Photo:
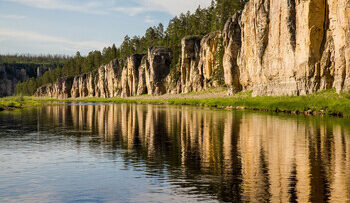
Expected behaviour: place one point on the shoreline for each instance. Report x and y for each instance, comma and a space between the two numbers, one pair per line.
325, 103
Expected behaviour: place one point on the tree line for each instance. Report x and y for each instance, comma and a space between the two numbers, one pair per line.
200, 23
33, 59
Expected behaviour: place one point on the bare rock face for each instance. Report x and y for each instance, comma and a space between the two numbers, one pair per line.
43, 91
232, 44
142, 86
288, 47
61, 89
100, 83
208, 58
130, 76
190, 76
159, 60
199, 62
141, 75
107, 80
339, 27
83, 86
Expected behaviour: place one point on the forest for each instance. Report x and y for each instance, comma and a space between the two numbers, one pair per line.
199, 23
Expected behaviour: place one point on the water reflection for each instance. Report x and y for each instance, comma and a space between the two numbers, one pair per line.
227, 156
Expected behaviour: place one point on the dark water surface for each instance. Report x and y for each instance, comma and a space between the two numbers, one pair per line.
149, 153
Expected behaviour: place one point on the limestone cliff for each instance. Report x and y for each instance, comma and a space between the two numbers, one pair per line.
159, 60
288, 47
190, 77
199, 62
114, 80
272, 47
59, 90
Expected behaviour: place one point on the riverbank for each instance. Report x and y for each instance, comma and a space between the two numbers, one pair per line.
322, 103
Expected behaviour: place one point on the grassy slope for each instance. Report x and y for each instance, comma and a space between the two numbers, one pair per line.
327, 102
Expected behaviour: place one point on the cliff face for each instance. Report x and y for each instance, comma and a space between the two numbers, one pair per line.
159, 60
100, 83
11, 74
272, 47
141, 75
288, 47
59, 90
199, 62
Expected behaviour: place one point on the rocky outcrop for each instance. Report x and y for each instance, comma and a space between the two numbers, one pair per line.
141, 75
190, 77
232, 45
100, 83
61, 89
272, 47
142, 86
200, 60
159, 60
288, 47
130, 76
108, 80
83, 86
209, 58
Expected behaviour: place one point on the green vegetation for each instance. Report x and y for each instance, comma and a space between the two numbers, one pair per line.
9, 103
32, 59
325, 103
200, 23
20, 67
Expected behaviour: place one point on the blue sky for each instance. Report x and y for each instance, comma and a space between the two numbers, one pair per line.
68, 26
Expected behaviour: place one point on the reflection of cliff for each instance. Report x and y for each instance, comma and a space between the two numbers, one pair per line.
234, 156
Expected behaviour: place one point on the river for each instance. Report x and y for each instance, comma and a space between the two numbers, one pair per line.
158, 153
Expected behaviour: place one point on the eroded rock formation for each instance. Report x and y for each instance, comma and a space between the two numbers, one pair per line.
61, 89
209, 58
130, 76
190, 76
100, 83
199, 62
141, 75
159, 60
272, 47
232, 45
288, 47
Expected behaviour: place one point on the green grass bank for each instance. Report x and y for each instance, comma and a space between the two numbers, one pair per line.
322, 103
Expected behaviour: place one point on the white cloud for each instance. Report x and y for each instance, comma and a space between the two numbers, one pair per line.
13, 17
91, 7
173, 7
131, 11
176, 7
150, 20
37, 37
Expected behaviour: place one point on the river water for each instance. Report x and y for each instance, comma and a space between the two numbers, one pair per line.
155, 153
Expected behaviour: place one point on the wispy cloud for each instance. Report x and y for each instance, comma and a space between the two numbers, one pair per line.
13, 17
91, 7
132, 11
149, 20
173, 7
37, 37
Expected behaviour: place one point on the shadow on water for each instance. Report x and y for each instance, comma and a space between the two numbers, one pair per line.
218, 155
